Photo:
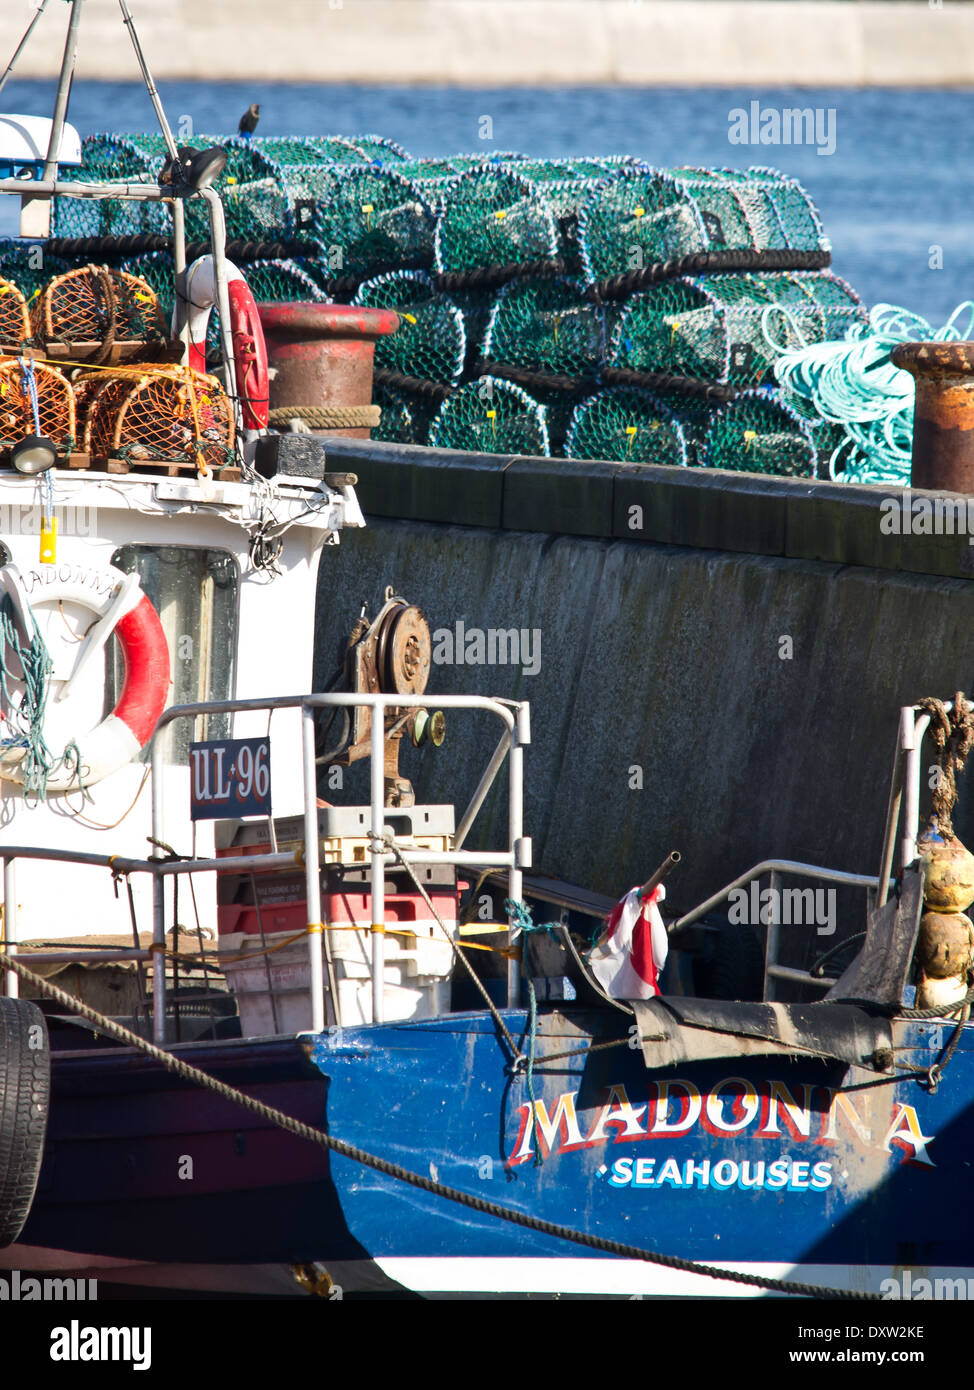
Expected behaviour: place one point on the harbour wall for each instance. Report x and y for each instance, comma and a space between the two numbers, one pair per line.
494, 43
722, 677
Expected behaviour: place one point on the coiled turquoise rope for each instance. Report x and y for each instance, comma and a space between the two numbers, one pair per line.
854, 384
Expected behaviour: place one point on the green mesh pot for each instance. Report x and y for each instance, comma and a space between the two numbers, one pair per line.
29, 266
731, 328
430, 342
491, 216
546, 325
626, 424
757, 433
644, 216
369, 215
490, 416
404, 420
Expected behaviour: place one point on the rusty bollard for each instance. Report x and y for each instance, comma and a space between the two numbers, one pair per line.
322, 355
943, 420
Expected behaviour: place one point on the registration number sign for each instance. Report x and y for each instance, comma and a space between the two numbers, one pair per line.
230, 778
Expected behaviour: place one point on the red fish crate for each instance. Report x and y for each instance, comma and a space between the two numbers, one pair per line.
55, 405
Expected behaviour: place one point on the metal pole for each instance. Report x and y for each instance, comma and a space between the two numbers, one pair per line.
520, 736
218, 239
893, 807
158, 960
378, 896
179, 263
483, 787
23, 44
10, 921
147, 78
914, 732
771, 940
312, 870
63, 91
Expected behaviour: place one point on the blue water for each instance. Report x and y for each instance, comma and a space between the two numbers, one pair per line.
898, 186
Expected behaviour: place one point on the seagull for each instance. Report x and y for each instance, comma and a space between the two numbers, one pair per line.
249, 119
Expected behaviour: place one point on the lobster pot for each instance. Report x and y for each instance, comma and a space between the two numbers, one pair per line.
164, 416
644, 216
492, 216
565, 185
404, 420
626, 424
14, 318
55, 405
490, 416
87, 304
430, 342
547, 325
23, 267
98, 217
758, 433
367, 218
732, 328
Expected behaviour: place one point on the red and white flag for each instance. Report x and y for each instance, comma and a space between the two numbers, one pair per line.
630, 953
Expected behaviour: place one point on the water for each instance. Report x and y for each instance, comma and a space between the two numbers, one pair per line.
896, 197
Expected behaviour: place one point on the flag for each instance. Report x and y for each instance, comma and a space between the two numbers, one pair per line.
630, 953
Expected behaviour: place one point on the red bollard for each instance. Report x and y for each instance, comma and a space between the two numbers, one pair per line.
943, 419
323, 355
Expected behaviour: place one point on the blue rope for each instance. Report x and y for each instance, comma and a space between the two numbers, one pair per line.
854, 384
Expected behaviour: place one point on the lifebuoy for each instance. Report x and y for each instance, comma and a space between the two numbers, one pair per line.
249, 347
109, 594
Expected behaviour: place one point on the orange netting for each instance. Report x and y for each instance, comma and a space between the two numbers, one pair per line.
95, 304
166, 415
55, 404
14, 318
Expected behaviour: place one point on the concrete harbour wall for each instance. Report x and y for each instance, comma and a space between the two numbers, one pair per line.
490, 43
661, 650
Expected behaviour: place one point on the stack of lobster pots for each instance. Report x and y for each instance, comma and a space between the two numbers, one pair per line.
87, 364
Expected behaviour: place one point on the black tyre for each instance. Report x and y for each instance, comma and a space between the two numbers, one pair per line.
732, 966
25, 1087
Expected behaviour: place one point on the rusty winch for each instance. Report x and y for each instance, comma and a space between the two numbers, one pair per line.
390, 654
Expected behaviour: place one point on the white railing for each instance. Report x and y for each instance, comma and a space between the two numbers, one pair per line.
515, 858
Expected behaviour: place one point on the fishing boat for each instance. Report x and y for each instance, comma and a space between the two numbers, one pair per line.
281, 1045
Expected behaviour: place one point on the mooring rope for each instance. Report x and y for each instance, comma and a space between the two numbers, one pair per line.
483, 1205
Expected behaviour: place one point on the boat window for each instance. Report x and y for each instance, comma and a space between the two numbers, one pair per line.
195, 594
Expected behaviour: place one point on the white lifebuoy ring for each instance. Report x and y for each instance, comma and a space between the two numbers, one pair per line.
249, 347
122, 734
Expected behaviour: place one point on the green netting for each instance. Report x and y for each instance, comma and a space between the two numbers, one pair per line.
370, 216
757, 433
404, 419
77, 217
546, 325
644, 216
430, 342
558, 408
476, 306
731, 328
491, 216
28, 266
626, 424
490, 416
380, 147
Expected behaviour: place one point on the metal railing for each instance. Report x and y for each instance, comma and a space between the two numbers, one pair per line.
517, 857
903, 806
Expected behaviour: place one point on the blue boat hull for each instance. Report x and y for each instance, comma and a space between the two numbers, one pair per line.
794, 1167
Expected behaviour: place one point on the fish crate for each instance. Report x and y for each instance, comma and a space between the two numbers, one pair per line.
343, 833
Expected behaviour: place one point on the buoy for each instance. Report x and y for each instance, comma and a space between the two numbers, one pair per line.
249, 348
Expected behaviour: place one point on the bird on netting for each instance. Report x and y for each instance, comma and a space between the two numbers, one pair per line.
249, 119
